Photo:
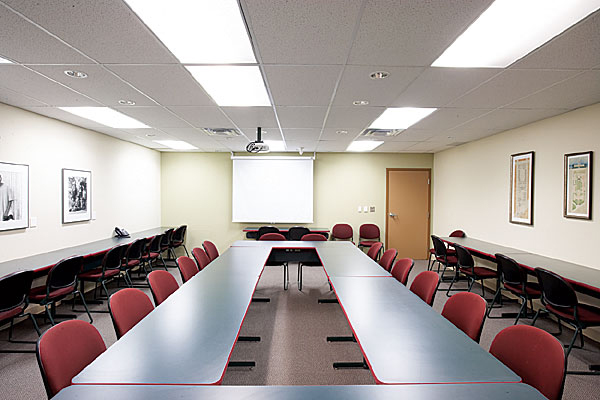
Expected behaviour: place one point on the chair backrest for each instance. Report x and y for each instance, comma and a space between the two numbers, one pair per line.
313, 237
533, 354
266, 229
342, 232
135, 250
14, 289
154, 244
374, 250
187, 268
438, 246
555, 290
201, 257
112, 259
369, 231
458, 233
179, 234
466, 310
210, 249
296, 232
510, 271
64, 350
64, 274
162, 285
166, 239
387, 259
401, 269
424, 285
128, 307
272, 236
465, 259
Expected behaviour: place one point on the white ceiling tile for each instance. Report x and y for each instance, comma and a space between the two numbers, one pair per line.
509, 86
101, 85
156, 117
266, 133
202, 117
307, 145
411, 32
352, 117
335, 134
22, 80
61, 115
233, 144
105, 30
577, 48
447, 118
303, 32
390, 147
436, 87
169, 85
504, 119
301, 117
251, 116
17, 99
428, 147
150, 134
356, 84
302, 85
415, 135
302, 134
579, 91
333, 145
194, 137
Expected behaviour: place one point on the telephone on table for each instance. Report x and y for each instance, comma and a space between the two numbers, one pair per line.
120, 232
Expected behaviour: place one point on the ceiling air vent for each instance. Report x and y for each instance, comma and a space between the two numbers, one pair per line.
381, 133
222, 132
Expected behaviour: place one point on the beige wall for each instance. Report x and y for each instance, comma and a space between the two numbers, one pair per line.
125, 181
471, 190
196, 189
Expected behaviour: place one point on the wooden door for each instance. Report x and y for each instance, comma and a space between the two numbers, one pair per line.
408, 212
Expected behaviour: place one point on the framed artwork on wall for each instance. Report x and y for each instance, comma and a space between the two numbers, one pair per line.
521, 188
14, 196
76, 195
578, 185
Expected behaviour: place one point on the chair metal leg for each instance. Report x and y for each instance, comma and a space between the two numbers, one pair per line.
285, 277
523, 306
84, 305
429, 263
489, 310
451, 284
49, 314
186, 251
300, 276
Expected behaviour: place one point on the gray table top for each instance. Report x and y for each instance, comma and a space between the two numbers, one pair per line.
188, 338
345, 261
43, 261
405, 341
490, 391
291, 244
480, 246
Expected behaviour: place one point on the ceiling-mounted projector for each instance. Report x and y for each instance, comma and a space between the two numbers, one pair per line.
257, 146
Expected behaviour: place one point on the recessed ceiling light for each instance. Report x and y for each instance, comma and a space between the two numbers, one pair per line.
127, 102
198, 32
176, 144
400, 118
232, 85
5, 61
341, 132
106, 116
379, 75
275, 145
364, 145
150, 135
510, 29
360, 102
76, 74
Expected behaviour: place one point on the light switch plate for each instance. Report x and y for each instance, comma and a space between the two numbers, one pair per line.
366, 209
32, 222
359, 209
93, 215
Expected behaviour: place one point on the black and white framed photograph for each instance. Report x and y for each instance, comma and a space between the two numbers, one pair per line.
76, 200
14, 196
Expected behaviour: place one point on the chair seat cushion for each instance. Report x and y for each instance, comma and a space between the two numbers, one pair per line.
151, 256
38, 294
451, 260
367, 243
532, 289
449, 251
4, 315
97, 274
480, 272
586, 313
177, 243
133, 263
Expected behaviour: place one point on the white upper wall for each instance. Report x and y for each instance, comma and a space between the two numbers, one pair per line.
125, 182
471, 188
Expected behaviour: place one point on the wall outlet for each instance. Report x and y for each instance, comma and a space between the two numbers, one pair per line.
372, 209
366, 209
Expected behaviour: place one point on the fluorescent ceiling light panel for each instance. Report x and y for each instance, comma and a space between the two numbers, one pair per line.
275, 145
401, 117
232, 85
5, 61
364, 145
176, 144
511, 29
106, 116
198, 31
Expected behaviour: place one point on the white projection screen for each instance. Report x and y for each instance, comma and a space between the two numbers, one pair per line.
272, 189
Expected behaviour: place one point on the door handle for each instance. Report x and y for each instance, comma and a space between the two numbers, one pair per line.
393, 215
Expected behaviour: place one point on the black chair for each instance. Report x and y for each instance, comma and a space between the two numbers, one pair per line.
449, 249
152, 253
513, 278
296, 232
178, 240
13, 302
466, 266
266, 229
133, 259
165, 245
559, 298
61, 282
442, 257
110, 269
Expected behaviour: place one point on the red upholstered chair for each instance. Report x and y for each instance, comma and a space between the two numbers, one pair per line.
111, 268
187, 268
424, 285
60, 283
66, 349
342, 232
442, 257
387, 259
210, 249
401, 269
374, 251
313, 237
162, 285
466, 266
368, 235
13, 302
201, 257
273, 236
178, 240
128, 307
466, 311
449, 249
533, 354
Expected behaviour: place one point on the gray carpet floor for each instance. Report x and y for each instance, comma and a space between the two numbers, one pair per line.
293, 349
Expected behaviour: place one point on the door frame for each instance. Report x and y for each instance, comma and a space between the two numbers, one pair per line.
387, 197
